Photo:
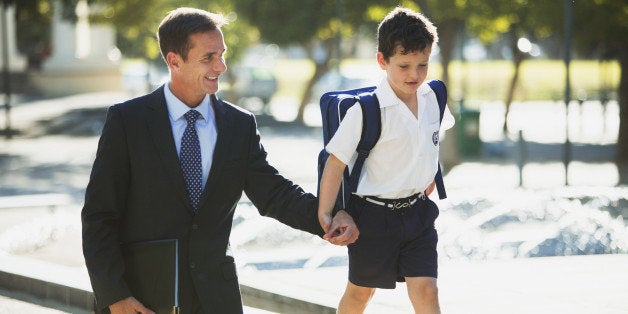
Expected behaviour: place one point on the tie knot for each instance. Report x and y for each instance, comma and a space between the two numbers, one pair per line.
191, 116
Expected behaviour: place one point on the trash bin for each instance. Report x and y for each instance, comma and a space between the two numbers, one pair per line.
468, 132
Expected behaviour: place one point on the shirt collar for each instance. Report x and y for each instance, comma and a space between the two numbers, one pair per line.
387, 96
176, 108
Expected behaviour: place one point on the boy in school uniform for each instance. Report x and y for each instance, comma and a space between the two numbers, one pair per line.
390, 207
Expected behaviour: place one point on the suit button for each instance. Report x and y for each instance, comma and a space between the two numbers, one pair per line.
194, 226
192, 265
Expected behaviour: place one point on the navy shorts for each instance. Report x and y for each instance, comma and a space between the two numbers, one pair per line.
392, 244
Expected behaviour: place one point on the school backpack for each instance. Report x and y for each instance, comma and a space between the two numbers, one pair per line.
334, 106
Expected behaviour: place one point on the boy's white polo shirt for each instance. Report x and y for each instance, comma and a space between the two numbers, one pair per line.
405, 159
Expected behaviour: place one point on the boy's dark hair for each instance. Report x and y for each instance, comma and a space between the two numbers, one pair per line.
409, 30
175, 29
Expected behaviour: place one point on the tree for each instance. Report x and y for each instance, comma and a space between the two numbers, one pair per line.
32, 19
313, 24
514, 21
601, 26
294, 22
449, 17
136, 22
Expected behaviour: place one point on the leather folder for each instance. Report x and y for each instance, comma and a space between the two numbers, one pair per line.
152, 274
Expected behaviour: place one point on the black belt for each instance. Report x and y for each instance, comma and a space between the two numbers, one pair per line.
394, 204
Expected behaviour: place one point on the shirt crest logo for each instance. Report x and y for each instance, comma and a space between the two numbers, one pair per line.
435, 138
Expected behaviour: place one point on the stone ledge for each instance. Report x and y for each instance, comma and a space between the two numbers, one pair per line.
70, 287
46, 281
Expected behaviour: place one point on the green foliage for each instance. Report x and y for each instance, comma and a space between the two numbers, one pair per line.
601, 25
286, 22
136, 23
32, 19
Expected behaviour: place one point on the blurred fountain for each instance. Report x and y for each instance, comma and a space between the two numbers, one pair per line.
473, 224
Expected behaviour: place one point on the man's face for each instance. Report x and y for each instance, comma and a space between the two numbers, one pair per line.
198, 74
405, 72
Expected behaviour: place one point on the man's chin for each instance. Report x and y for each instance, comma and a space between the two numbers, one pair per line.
211, 89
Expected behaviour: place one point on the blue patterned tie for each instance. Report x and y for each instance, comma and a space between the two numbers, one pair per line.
190, 157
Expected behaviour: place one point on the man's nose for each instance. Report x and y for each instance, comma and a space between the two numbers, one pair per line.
220, 65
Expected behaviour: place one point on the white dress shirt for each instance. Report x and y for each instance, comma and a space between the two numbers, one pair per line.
405, 159
205, 127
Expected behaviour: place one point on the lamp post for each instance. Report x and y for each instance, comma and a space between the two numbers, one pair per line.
568, 31
6, 73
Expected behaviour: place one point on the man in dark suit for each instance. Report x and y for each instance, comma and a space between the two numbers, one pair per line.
173, 164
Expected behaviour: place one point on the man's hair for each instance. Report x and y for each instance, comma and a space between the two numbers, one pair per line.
406, 29
175, 29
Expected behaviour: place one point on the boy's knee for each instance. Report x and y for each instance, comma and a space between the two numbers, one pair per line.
360, 295
429, 292
426, 290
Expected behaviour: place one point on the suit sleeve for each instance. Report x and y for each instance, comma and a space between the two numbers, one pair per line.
275, 196
105, 201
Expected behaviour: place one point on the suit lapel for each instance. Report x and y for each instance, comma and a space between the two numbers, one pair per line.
223, 139
160, 130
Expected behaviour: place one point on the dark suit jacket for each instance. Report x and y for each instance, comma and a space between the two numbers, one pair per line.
136, 192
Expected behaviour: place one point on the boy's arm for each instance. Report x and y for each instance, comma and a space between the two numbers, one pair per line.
330, 184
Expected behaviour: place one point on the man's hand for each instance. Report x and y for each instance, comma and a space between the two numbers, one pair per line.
129, 305
343, 230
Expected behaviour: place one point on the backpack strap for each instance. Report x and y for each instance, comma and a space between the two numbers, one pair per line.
371, 130
440, 90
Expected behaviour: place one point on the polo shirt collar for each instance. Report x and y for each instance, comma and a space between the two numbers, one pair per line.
176, 108
387, 96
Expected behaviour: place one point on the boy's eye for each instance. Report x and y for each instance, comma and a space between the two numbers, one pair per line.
403, 66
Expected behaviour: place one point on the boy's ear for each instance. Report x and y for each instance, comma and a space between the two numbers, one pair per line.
381, 61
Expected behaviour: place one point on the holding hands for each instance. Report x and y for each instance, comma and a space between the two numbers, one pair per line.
339, 230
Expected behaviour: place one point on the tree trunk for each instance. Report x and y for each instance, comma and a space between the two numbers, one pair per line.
319, 71
518, 57
320, 68
622, 138
448, 31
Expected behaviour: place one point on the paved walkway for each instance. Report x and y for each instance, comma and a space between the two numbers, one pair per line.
57, 146
569, 285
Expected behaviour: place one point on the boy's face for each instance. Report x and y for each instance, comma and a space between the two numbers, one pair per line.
405, 72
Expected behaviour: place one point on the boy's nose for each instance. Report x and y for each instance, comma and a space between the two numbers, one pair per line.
416, 74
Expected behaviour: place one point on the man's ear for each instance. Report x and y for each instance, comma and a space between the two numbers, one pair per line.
174, 60
381, 61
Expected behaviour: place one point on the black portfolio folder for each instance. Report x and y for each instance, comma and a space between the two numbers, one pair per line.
152, 274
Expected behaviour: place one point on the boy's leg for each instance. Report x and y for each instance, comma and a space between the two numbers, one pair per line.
355, 299
423, 294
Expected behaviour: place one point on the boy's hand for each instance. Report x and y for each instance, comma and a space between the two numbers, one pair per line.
325, 220
343, 230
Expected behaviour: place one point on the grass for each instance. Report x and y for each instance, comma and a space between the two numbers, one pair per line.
480, 81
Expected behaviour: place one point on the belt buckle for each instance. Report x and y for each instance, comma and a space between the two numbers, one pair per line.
400, 207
